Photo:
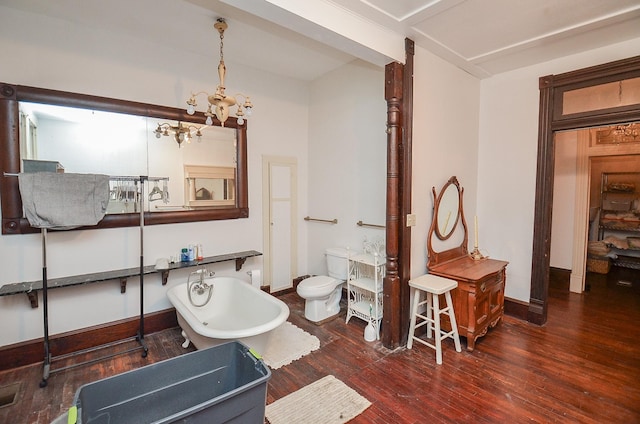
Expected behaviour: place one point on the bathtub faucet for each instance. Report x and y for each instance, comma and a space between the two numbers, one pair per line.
200, 286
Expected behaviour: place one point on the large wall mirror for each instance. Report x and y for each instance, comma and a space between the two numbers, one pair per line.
203, 168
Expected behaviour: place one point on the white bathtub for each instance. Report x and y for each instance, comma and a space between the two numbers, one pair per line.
236, 311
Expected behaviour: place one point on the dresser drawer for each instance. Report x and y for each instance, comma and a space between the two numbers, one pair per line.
488, 283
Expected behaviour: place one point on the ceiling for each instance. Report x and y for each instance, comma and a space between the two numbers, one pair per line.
305, 39
487, 37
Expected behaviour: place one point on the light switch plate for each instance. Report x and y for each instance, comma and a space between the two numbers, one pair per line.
411, 220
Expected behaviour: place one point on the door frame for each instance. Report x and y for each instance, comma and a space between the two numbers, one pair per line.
581, 214
267, 162
551, 119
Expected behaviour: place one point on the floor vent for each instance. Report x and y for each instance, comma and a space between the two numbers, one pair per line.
9, 394
624, 283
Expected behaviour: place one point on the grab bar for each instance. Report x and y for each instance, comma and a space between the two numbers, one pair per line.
331, 221
362, 224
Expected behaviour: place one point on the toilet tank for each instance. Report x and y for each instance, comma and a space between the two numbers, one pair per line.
337, 263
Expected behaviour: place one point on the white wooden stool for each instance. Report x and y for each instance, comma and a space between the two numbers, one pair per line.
433, 286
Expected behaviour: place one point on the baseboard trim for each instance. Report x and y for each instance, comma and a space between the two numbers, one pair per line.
516, 308
561, 273
32, 351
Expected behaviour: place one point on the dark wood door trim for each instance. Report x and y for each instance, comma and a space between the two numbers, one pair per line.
407, 175
551, 119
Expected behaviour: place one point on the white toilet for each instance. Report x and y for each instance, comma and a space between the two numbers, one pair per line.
323, 293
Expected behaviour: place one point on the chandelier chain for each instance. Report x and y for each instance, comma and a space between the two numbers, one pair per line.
221, 46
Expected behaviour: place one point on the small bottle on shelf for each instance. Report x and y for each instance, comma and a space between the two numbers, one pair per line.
199, 252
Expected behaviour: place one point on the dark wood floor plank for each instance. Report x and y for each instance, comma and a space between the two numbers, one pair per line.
583, 366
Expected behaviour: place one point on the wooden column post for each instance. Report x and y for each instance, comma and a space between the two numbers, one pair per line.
399, 97
393, 96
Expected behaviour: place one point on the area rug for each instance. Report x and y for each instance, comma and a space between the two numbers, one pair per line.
288, 343
325, 401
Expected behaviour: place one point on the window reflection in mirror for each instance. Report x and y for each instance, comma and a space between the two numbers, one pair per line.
209, 185
92, 141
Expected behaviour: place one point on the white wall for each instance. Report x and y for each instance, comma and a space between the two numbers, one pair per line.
507, 159
347, 159
445, 143
68, 56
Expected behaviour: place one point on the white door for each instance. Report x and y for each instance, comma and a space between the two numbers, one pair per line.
280, 227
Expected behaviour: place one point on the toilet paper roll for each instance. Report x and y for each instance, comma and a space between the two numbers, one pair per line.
256, 278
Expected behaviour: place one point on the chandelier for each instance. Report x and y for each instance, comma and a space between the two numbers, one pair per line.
181, 132
220, 103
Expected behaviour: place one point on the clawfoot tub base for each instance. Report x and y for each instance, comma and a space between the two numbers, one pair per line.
187, 342
217, 322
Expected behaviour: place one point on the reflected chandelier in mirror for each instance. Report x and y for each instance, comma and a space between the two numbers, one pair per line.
181, 132
233, 148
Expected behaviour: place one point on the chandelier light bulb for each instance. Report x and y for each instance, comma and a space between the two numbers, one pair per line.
209, 121
191, 109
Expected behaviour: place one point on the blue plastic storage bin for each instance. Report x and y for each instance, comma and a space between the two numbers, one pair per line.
221, 384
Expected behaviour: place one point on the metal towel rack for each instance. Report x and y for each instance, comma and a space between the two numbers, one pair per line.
330, 221
362, 224
47, 371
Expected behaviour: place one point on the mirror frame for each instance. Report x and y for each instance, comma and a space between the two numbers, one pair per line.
13, 221
436, 258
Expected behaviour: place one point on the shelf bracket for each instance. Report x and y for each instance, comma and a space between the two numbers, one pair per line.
239, 263
165, 277
123, 285
33, 298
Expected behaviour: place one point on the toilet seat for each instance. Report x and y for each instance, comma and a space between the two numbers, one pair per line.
317, 286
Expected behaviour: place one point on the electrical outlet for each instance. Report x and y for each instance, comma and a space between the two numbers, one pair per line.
411, 220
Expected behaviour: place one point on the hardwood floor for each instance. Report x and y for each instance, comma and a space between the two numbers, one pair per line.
583, 366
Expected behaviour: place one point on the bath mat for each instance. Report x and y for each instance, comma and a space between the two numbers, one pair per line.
288, 343
325, 401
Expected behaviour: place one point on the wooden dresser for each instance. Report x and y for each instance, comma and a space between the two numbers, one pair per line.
479, 298
478, 301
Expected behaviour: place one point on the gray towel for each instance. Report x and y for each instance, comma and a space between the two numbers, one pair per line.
63, 201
